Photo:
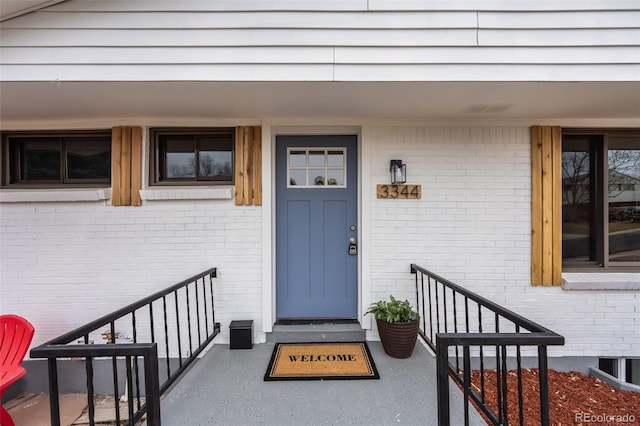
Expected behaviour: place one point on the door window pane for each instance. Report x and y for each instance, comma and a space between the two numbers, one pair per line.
297, 178
335, 177
316, 158
336, 159
298, 159
316, 177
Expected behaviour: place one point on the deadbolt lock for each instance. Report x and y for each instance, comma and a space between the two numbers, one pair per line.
353, 246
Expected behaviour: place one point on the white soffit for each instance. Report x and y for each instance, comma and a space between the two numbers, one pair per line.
34, 101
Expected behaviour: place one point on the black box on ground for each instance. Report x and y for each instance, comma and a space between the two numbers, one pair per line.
241, 334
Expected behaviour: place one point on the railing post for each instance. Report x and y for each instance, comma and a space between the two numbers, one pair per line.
544, 385
54, 400
152, 386
466, 353
442, 380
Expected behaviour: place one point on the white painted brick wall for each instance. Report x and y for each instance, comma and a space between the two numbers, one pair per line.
64, 264
473, 226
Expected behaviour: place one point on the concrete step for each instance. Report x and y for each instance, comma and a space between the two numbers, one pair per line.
316, 333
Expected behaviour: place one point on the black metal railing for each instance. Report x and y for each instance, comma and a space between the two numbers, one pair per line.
456, 321
176, 324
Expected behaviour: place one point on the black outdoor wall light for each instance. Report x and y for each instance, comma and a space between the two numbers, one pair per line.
398, 172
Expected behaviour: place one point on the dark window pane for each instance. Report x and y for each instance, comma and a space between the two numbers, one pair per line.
88, 158
577, 191
70, 158
633, 371
40, 159
216, 157
179, 156
609, 366
624, 199
215, 164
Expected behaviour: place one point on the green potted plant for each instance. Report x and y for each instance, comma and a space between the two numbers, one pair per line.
398, 326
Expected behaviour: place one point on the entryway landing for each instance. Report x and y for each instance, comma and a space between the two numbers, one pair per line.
226, 387
316, 332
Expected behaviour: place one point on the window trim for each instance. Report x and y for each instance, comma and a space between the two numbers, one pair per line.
9, 159
607, 265
155, 167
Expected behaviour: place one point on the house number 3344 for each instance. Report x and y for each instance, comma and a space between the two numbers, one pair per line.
406, 192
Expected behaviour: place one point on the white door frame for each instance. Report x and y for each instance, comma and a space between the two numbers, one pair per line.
269, 133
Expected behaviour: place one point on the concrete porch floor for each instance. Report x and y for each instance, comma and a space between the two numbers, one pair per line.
226, 387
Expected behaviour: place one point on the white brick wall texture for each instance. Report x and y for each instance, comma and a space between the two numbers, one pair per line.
473, 227
66, 263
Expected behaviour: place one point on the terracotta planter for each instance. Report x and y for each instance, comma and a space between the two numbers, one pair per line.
399, 338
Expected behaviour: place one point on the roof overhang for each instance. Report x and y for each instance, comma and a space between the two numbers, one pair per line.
12, 8
24, 102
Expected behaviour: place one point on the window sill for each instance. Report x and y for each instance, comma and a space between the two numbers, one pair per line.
53, 195
220, 193
601, 281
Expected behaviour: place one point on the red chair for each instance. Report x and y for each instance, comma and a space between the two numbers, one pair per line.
15, 337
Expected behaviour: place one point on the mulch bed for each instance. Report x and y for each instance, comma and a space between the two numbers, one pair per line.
574, 399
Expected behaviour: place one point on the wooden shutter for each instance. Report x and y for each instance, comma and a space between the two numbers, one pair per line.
546, 205
248, 166
126, 166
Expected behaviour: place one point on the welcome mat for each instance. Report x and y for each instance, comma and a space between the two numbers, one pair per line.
316, 361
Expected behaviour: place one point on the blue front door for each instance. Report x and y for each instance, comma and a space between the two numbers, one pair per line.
316, 216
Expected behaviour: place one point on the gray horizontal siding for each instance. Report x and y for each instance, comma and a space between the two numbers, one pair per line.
316, 55
209, 5
324, 40
330, 20
236, 37
243, 20
560, 20
323, 72
345, 5
317, 37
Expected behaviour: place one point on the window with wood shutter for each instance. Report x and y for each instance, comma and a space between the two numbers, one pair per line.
585, 201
